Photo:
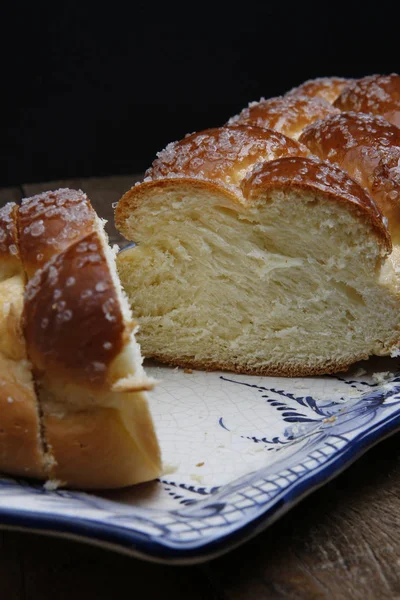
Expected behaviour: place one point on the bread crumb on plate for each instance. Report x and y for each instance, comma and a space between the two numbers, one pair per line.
169, 468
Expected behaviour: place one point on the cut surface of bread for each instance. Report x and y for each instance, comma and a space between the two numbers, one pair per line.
287, 275
92, 425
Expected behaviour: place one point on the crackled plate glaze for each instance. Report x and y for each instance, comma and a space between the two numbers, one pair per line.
238, 452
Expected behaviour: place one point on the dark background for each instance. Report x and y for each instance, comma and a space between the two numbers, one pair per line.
99, 89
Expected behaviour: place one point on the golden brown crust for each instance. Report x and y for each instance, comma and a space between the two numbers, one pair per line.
95, 449
73, 323
367, 147
224, 154
375, 94
275, 370
10, 263
327, 88
50, 222
322, 177
287, 114
8, 231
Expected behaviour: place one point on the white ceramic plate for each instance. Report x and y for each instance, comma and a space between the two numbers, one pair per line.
239, 451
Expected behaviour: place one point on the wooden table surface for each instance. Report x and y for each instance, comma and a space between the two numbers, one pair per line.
340, 542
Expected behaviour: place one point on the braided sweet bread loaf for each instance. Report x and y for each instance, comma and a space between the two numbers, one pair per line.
72, 386
255, 255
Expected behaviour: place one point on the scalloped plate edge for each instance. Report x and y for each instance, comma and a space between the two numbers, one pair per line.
112, 537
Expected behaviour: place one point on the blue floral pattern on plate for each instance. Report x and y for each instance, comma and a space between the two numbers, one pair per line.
239, 451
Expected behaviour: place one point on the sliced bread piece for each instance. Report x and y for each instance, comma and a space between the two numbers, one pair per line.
21, 444
283, 272
89, 423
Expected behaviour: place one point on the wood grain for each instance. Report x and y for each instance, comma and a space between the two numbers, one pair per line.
342, 542
62, 570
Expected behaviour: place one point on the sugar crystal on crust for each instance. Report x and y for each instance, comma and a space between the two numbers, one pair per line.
315, 174
286, 114
368, 148
375, 94
327, 88
8, 229
51, 221
224, 154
